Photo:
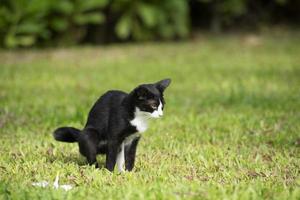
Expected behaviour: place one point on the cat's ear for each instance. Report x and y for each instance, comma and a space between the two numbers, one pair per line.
163, 84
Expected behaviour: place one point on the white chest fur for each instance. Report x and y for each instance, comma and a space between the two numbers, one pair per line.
140, 121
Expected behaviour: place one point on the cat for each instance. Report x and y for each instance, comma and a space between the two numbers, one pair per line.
115, 124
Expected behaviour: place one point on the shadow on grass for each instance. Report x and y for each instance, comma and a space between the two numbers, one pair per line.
73, 158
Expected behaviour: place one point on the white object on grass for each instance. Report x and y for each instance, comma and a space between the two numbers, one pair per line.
41, 184
55, 184
66, 187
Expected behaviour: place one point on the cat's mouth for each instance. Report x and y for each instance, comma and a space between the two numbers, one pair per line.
154, 114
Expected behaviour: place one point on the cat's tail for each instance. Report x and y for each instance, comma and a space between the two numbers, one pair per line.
66, 134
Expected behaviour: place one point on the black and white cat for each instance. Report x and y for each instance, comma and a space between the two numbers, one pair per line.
115, 124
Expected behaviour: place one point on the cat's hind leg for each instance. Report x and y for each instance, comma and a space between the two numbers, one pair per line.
88, 146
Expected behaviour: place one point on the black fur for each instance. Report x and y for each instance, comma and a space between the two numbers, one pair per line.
108, 124
66, 134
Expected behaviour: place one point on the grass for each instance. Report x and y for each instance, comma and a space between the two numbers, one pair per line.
230, 131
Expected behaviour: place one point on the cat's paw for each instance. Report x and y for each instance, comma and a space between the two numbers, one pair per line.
121, 171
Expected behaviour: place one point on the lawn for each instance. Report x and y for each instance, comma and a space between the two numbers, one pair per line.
231, 126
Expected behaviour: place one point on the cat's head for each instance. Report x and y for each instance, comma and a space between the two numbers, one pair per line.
149, 98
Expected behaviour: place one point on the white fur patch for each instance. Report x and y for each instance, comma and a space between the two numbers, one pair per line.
130, 138
121, 159
140, 120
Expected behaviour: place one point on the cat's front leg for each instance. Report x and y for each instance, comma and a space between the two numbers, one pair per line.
121, 158
130, 152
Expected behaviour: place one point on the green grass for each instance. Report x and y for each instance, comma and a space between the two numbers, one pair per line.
231, 128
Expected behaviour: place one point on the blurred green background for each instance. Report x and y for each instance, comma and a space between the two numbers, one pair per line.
48, 23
